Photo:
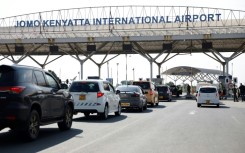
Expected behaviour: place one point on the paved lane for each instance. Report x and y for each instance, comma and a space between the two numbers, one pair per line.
171, 127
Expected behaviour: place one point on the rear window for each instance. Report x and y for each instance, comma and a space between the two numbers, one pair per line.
143, 85
7, 74
208, 90
162, 88
128, 89
84, 87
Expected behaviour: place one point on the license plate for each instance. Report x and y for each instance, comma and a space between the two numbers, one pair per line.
82, 97
125, 104
161, 97
207, 101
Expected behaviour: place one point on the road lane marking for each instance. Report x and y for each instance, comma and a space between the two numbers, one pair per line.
192, 112
236, 120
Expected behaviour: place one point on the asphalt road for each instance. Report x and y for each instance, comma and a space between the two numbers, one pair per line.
172, 127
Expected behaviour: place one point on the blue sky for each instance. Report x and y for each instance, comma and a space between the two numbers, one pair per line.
63, 66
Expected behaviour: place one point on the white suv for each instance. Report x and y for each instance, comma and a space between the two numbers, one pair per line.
207, 95
95, 96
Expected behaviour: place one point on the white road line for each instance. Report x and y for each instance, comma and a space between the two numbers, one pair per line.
236, 120
192, 112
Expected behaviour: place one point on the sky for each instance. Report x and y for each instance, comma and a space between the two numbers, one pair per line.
68, 68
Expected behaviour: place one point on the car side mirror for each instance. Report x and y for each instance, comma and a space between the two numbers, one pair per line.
65, 93
118, 92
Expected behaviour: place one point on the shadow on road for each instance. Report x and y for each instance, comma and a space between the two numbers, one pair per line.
221, 105
96, 119
136, 111
48, 137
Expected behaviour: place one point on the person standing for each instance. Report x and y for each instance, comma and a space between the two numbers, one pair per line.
242, 91
188, 89
235, 92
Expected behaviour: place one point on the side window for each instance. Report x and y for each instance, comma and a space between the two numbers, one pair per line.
111, 88
140, 91
40, 78
51, 81
24, 75
34, 78
106, 86
153, 86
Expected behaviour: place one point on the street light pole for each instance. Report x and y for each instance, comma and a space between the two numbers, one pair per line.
117, 73
108, 70
133, 73
126, 68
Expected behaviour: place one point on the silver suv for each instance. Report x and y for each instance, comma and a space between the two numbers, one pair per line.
95, 96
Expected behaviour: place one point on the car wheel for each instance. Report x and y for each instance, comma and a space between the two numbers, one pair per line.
145, 107
86, 114
217, 105
198, 105
152, 104
157, 101
104, 115
31, 131
141, 108
119, 110
67, 120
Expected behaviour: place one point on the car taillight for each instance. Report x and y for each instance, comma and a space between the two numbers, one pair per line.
13, 89
151, 92
135, 95
99, 94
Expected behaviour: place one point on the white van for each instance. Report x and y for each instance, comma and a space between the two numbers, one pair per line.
208, 95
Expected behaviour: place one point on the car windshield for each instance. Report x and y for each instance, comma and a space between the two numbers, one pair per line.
84, 87
208, 90
143, 85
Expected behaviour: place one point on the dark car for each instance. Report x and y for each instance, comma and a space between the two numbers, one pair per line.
31, 97
131, 97
164, 92
176, 90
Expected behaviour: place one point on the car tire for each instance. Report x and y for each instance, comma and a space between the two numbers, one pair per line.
104, 115
145, 107
67, 120
157, 101
198, 105
32, 128
218, 105
141, 108
119, 110
86, 114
